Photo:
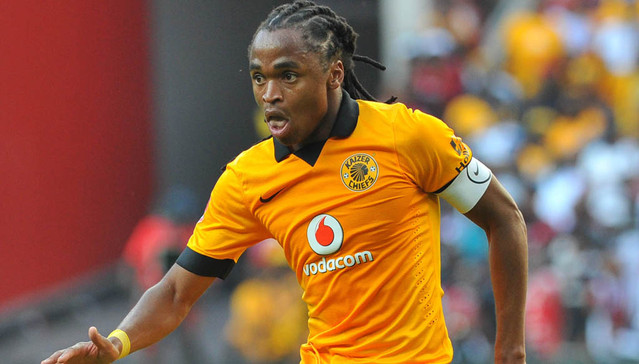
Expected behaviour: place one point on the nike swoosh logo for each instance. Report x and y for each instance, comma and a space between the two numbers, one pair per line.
476, 169
267, 199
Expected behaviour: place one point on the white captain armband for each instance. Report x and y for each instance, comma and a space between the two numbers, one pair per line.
468, 187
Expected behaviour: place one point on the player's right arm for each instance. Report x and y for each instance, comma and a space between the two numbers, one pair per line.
159, 311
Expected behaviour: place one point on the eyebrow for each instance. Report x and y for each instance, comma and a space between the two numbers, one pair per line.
277, 66
286, 64
254, 66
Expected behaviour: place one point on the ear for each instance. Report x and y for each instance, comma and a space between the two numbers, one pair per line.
335, 74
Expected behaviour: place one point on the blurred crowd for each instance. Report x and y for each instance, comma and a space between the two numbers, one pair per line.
547, 95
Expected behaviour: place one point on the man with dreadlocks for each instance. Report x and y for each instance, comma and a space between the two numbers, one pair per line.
350, 189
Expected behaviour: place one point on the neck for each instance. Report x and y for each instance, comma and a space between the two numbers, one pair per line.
334, 102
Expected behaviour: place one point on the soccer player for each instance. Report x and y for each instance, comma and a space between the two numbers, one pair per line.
350, 189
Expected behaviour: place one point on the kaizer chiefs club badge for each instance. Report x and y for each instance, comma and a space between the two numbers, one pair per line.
359, 172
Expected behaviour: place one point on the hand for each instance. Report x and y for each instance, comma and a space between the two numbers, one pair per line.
99, 350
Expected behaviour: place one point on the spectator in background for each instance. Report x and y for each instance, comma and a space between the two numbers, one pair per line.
159, 237
435, 75
532, 50
153, 247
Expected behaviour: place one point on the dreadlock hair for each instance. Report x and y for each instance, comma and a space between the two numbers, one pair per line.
327, 34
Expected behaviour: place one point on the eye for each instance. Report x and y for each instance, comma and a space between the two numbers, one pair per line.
290, 76
258, 79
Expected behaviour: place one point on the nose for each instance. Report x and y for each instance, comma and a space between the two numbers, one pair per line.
272, 92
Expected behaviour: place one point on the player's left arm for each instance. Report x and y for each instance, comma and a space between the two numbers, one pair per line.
479, 195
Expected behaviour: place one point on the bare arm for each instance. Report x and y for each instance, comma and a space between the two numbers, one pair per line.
159, 311
499, 216
162, 307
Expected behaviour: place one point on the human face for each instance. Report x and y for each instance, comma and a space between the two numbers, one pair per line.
292, 87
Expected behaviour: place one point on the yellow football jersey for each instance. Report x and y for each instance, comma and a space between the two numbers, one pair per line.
358, 219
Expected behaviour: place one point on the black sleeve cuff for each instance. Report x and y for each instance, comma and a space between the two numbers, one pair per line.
204, 266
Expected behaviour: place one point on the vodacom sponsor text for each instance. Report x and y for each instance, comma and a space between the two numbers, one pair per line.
347, 261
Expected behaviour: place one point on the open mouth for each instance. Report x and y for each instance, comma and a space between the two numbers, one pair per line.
277, 123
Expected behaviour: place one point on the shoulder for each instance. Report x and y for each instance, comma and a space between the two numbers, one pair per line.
247, 167
380, 110
396, 113
259, 154
409, 126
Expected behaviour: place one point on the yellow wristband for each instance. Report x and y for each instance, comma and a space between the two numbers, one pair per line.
124, 339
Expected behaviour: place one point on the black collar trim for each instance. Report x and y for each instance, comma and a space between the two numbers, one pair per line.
344, 126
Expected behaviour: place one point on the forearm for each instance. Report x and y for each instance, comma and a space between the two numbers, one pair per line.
509, 275
154, 316
163, 307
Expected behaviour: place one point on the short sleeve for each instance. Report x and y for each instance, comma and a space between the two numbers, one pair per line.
227, 227
429, 151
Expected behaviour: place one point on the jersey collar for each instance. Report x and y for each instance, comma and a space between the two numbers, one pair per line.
344, 125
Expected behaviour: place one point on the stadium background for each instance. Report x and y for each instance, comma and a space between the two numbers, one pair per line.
115, 118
